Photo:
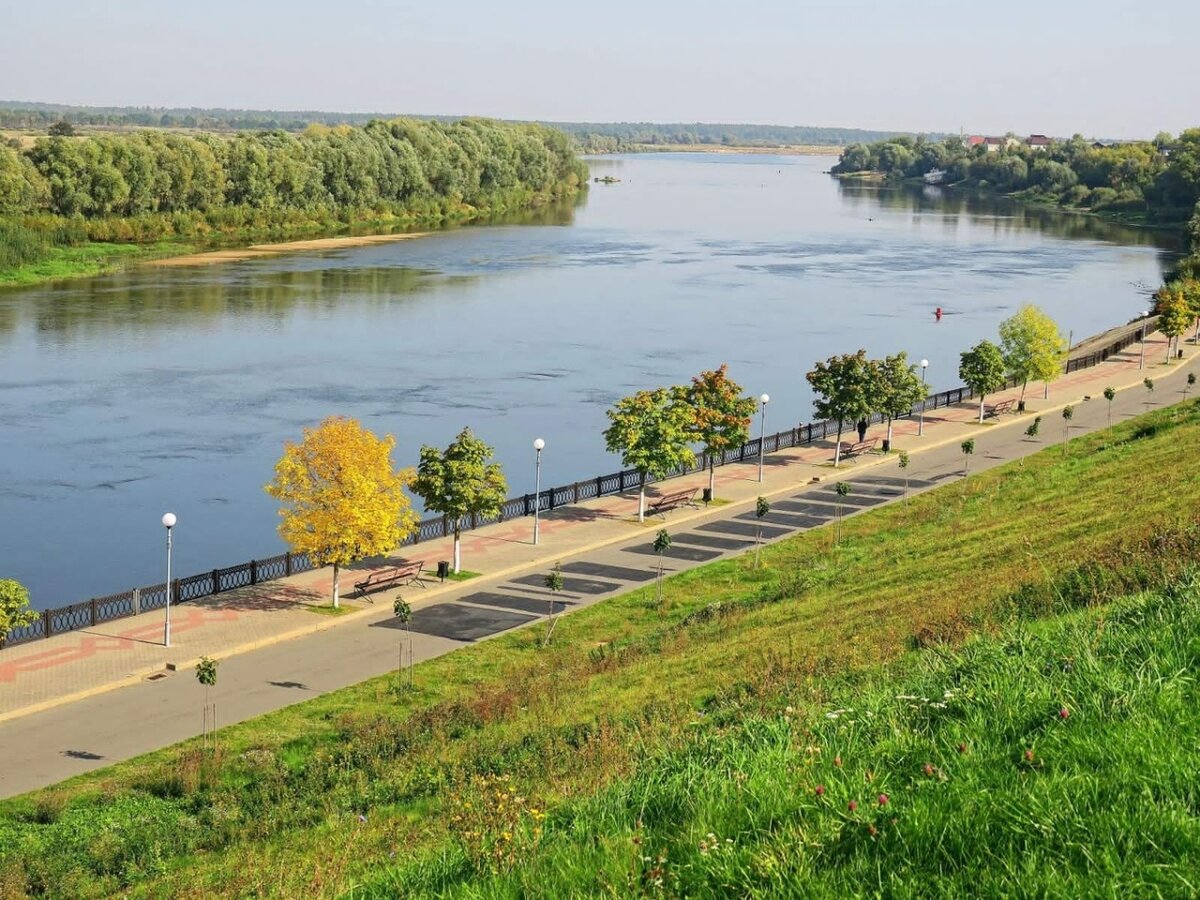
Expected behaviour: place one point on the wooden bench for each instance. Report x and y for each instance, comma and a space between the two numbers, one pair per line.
995, 410
849, 450
396, 575
660, 505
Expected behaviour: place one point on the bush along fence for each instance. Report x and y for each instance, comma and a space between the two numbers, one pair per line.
139, 600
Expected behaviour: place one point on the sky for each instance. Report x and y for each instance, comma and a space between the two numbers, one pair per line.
1103, 68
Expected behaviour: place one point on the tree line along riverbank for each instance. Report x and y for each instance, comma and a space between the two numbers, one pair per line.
81, 205
1141, 182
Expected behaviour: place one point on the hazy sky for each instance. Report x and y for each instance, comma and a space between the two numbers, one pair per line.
1100, 67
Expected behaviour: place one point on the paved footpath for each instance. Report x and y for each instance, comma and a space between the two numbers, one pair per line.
89, 698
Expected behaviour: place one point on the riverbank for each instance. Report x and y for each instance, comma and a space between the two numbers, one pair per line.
255, 251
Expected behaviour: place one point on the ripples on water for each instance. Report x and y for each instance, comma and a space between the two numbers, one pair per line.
124, 396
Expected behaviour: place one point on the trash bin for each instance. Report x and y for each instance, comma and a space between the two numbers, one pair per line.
443, 569
706, 496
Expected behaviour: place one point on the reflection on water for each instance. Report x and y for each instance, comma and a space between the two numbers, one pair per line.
161, 388
1002, 214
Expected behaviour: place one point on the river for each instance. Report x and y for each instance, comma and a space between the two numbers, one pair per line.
174, 388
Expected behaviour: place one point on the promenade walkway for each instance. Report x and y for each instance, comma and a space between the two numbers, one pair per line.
277, 650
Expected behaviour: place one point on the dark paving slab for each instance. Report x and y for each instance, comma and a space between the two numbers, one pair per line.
691, 554
708, 540
461, 623
600, 570
571, 585
787, 520
730, 527
891, 481
539, 606
813, 510
850, 499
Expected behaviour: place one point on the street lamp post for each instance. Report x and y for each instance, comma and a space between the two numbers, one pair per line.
539, 445
762, 434
1142, 359
168, 521
921, 420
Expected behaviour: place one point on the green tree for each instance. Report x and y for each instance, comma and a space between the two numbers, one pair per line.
982, 370
554, 583
460, 481
341, 499
721, 415
845, 387
1174, 314
403, 612
1068, 414
1032, 347
1110, 394
206, 674
1032, 431
662, 543
897, 388
904, 461
14, 607
967, 447
761, 508
650, 431
1148, 384
840, 490
1189, 383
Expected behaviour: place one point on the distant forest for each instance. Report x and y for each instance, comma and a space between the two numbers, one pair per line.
589, 137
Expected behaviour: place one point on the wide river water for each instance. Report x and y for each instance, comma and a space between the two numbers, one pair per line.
174, 388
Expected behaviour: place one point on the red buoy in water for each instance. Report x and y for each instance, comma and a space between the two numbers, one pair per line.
937, 314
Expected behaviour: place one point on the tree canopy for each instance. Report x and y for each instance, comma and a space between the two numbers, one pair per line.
14, 606
461, 481
982, 370
341, 499
845, 388
898, 387
1032, 347
721, 414
650, 430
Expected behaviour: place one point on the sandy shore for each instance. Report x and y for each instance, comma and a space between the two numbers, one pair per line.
790, 150
256, 250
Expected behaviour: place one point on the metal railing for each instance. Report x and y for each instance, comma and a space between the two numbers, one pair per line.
130, 603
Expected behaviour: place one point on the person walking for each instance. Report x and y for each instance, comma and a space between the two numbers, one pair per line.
862, 430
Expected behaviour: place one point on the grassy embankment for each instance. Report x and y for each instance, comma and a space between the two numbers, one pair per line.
641, 730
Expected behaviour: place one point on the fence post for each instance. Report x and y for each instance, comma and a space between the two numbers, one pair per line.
47, 624
552, 498
216, 579
474, 519
287, 563
93, 606
599, 484
175, 591
445, 526
575, 496
137, 601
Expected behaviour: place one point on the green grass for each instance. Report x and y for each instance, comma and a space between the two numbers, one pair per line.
330, 610
623, 686
62, 262
463, 575
1057, 759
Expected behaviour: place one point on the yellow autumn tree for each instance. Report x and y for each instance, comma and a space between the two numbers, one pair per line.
341, 499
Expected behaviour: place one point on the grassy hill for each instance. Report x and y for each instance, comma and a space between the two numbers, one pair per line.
602, 763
